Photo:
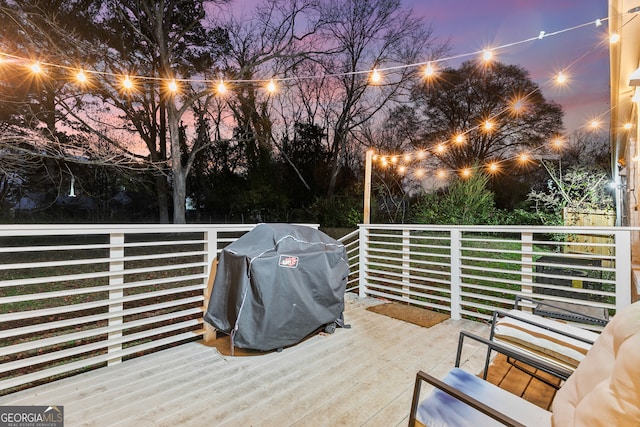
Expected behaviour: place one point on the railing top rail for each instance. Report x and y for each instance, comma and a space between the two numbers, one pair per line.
64, 229
503, 228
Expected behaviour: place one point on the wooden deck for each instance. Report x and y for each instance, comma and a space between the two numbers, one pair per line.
358, 376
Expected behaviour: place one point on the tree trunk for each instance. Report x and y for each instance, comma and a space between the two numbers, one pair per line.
163, 201
178, 172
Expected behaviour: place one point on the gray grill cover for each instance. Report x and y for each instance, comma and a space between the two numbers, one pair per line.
277, 284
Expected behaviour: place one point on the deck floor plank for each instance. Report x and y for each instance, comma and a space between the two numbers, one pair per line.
358, 376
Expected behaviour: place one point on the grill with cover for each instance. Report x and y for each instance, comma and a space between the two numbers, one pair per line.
277, 284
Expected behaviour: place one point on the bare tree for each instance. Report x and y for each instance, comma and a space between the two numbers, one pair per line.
362, 35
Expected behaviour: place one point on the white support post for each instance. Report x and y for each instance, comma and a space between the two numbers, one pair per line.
116, 254
456, 270
211, 249
526, 263
624, 283
363, 240
406, 264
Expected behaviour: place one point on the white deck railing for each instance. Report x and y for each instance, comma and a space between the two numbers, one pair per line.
469, 271
77, 297
74, 297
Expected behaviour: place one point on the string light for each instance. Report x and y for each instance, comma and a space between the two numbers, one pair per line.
594, 124
271, 86
35, 68
172, 86
127, 83
557, 142
375, 77
81, 77
221, 88
615, 38
561, 78
465, 173
524, 158
517, 105
429, 70
628, 126
493, 167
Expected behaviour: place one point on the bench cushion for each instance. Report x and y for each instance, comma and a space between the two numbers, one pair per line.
605, 389
542, 342
441, 409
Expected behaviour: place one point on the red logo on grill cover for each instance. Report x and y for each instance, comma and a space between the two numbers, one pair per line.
288, 261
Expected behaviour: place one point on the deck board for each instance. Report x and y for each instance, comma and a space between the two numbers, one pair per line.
358, 376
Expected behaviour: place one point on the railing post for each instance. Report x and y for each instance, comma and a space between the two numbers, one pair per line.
526, 263
456, 270
406, 264
624, 285
363, 255
211, 249
116, 264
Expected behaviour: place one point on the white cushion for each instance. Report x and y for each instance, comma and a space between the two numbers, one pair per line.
540, 341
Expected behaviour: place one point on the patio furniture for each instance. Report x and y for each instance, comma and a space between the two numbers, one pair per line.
534, 342
604, 390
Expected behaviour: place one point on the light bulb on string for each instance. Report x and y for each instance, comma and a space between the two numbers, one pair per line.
628, 126
441, 174
488, 125
561, 78
465, 173
402, 170
375, 77
419, 173
440, 148
221, 88
429, 71
487, 55
459, 138
81, 77
271, 86
407, 157
493, 167
557, 142
594, 124
614, 38
394, 159
524, 158
421, 155
172, 86
36, 68
127, 83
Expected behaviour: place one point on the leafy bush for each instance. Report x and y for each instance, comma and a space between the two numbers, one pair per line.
464, 202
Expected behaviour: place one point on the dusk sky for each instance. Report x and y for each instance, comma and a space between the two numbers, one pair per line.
473, 25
